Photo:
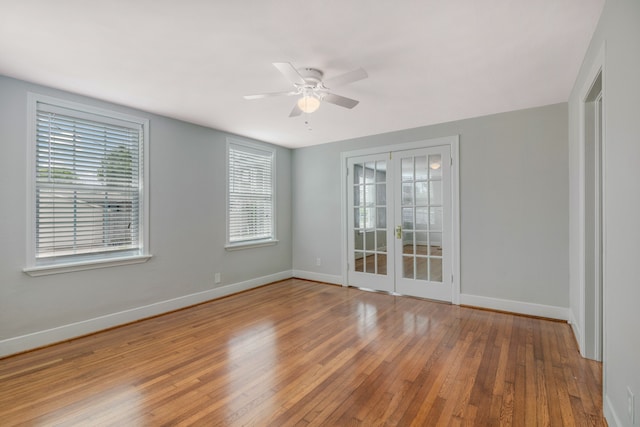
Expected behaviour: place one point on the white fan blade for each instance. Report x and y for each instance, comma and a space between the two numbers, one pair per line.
342, 79
296, 111
289, 72
269, 95
340, 100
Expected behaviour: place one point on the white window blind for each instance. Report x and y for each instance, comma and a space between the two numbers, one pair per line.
88, 171
250, 194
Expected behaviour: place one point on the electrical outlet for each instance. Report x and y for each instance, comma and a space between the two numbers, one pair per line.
216, 278
631, 405
318, 262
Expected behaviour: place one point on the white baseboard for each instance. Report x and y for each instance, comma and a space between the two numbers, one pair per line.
610, 414
61, 333
318, 277
531, 309
577, 332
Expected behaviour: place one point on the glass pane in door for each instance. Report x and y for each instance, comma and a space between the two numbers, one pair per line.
407, 267
435, 269
359, 261
422, 172
407, 242
381, 264
369, 172
358, 174
435, 166
381, 241
381, 193
435, 193
407, 193
435, 243
407, 169
421, 193
407, 218
421, 268
381, 218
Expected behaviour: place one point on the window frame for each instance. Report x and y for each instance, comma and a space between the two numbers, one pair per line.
231, 246
34, 267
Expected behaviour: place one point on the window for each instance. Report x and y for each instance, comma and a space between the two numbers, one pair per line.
88, 186
250, 194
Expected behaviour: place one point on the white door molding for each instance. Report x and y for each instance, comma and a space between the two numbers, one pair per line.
597, 71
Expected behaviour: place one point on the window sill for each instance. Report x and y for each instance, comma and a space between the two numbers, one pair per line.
84, 265
248, 245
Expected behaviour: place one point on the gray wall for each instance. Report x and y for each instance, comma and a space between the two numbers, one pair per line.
619, 28
187, 226
513, 203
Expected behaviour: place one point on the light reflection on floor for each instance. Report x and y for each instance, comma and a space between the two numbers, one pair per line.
367, 319
119, 405
253, 346
415, 324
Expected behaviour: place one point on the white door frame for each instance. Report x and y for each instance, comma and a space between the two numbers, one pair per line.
453, 142
597, 69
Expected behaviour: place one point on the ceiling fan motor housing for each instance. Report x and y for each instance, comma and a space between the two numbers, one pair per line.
312, 76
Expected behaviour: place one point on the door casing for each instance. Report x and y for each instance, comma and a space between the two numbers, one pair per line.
590, 325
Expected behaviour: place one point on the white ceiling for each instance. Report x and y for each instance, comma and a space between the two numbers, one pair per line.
428, 61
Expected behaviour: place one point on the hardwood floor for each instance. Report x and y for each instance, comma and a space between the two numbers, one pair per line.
303, 353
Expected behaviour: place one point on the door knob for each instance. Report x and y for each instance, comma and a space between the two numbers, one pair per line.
399, 232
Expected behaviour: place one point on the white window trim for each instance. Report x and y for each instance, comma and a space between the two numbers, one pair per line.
251, 243
87, 262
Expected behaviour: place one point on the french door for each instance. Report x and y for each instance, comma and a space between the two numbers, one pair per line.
399, 222
370, 201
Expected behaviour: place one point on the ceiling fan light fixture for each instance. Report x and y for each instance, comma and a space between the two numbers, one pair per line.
311, 90
308, 103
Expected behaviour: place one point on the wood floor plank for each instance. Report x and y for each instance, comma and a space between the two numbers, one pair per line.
300, 353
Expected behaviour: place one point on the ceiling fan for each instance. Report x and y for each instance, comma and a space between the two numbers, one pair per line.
308, 84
